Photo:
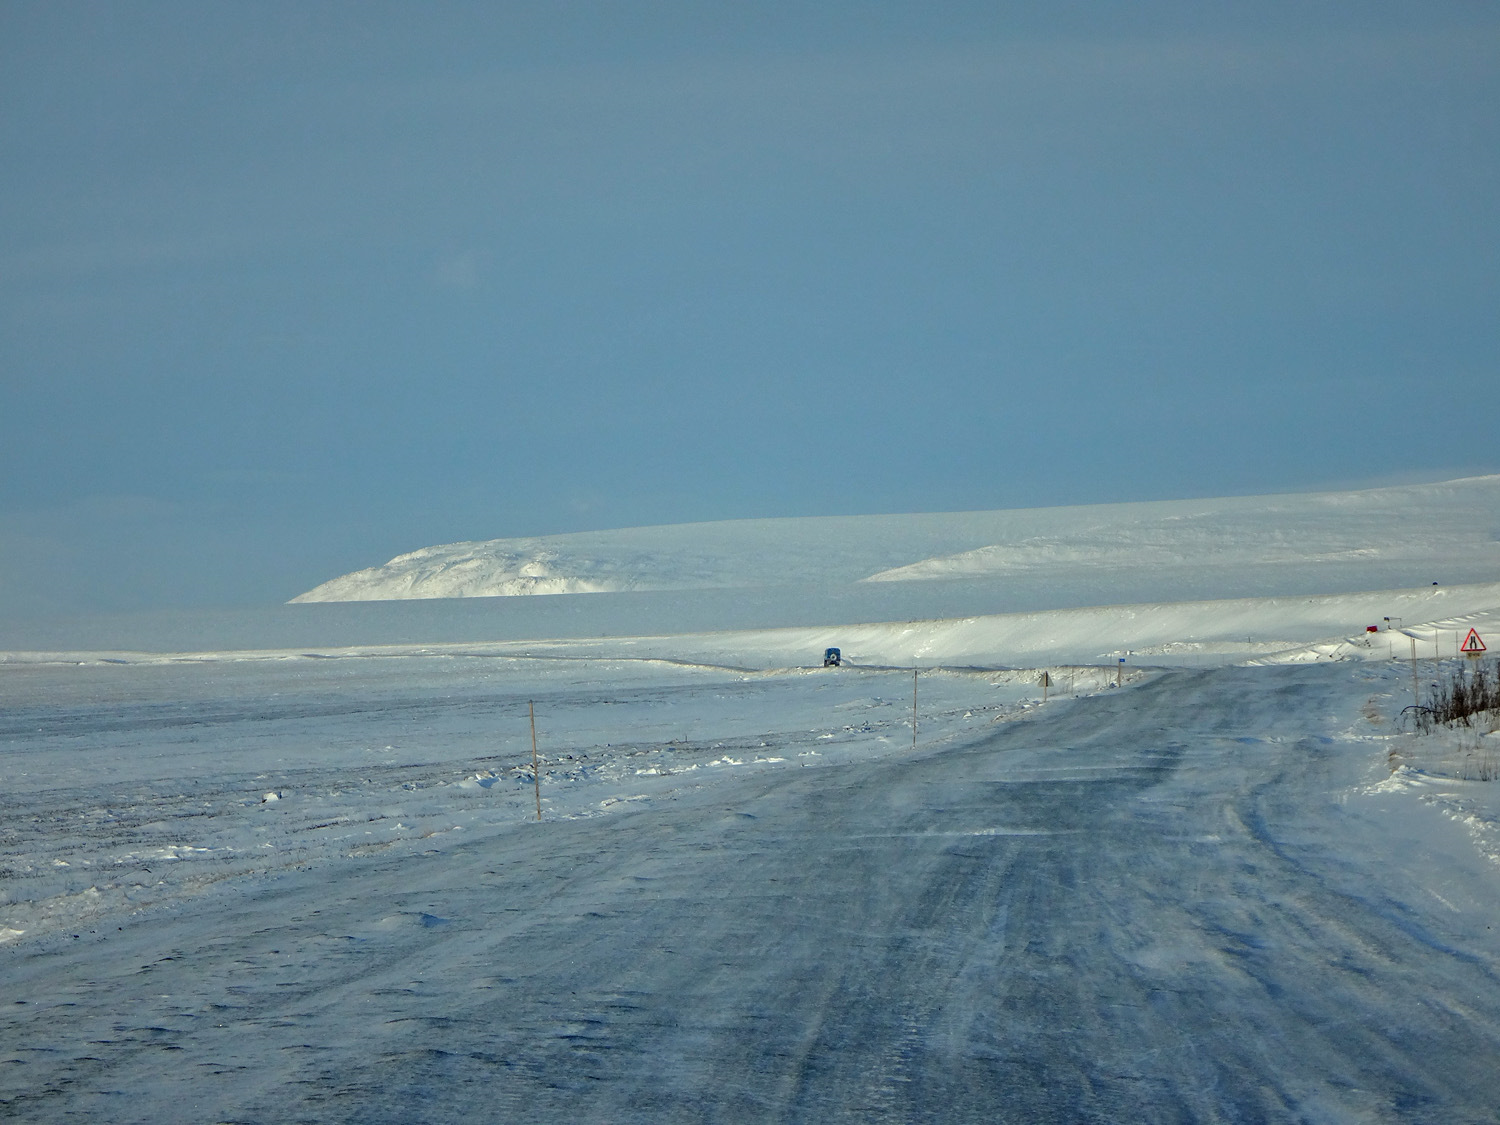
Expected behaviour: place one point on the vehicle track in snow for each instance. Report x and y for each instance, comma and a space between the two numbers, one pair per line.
1152, 905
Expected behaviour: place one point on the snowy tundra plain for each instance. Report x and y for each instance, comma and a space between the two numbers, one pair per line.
289, 868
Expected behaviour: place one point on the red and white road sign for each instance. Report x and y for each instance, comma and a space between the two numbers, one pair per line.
1472, 643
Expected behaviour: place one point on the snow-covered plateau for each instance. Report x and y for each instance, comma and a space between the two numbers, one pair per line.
1135, 830
1319, 542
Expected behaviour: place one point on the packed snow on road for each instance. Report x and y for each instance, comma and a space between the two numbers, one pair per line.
1156, 861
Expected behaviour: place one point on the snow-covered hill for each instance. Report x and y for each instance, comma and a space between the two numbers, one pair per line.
1369, 539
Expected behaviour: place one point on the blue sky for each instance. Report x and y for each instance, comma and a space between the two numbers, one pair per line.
287, 289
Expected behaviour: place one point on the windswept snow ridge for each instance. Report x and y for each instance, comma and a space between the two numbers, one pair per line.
1193, 634
1371, 539
504, 568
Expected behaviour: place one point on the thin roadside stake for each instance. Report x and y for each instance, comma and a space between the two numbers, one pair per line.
914, 708
536, 771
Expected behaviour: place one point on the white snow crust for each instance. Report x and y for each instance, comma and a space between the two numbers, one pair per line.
1206, 871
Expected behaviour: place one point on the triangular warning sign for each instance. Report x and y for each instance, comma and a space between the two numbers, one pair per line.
1472, 643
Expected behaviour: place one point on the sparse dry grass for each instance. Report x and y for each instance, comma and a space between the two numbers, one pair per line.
1453, 733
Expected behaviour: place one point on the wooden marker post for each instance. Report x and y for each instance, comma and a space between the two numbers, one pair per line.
1416, 695
536, 770
914, 708
1046, 683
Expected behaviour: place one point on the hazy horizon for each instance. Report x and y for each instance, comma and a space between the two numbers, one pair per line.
287, 291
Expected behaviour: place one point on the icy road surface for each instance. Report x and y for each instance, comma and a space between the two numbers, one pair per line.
1197, 899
